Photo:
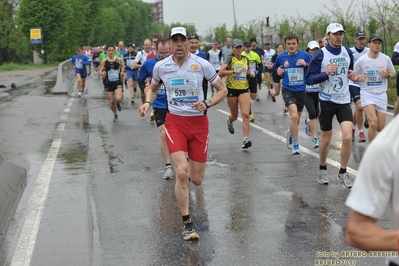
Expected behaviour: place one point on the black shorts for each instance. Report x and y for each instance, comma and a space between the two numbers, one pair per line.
253, 84
355, 93
112, 86
312, 104
267, 70
295, 97
235, 92
160, 116
276, 78
96, 64
343, 112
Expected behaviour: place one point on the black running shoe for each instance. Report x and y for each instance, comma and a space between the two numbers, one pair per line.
118, 105
188, 231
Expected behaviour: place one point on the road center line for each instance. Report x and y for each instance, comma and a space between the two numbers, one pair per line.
303, 149
27, 240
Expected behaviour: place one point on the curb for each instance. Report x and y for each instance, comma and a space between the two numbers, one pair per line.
12, 184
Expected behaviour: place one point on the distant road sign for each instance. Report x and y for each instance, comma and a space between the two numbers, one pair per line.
268, 31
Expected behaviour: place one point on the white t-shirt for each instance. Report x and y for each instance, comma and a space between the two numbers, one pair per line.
357, 55
214, 58
268, 55
141, 57
184, 84
377, 184
396, 48
373, 68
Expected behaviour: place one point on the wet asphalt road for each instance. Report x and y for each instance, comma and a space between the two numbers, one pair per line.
107, 203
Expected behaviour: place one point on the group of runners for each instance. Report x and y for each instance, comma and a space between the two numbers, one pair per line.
174, 74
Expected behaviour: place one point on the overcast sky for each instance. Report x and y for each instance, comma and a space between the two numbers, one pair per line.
206, 14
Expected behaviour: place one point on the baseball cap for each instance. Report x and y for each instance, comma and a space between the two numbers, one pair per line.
131, 45
178, 30
237, 42
360, 34
313, 44
247, 43
334, 27
193, 35
375, 37
214, 42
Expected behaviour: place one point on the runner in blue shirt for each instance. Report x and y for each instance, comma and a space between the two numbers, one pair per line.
160, 104
79, 63
292, 66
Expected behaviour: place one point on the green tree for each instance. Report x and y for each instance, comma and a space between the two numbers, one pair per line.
221, 33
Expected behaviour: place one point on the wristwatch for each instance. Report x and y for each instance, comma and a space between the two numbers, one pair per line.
208, 103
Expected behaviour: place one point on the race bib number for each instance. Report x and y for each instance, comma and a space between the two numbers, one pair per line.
129, 63
113, 75
242, 75
184, 90
295, 76
78, 64
215, 60
374, 78
252, 66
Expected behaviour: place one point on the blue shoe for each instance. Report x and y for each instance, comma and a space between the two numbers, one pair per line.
307, 128
295, 151
316, 143
289, 139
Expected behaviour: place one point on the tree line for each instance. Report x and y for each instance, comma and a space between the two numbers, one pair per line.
67, 24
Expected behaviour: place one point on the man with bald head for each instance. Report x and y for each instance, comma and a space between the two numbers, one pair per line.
121, 49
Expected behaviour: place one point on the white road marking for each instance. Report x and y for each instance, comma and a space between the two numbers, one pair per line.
303, 149
66, 110
27, 240
64, 117
60, 126
68, 104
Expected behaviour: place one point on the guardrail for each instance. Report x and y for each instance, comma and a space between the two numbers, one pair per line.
65, 78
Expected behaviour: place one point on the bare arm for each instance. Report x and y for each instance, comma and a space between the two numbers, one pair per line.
364, 234
217, 98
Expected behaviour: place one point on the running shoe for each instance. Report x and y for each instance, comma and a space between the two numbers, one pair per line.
246, 143
260, 86
230, 127
115, 118
188, 231
316, 143
366, 123
345, 180
251, 118
295, 151
323, 177
135, 90
80, 94
152, 116
362, 137
274, 100
289, 139
285, 109
132, 100
353, 134
118, 105
168, 173
307, 128
257, 98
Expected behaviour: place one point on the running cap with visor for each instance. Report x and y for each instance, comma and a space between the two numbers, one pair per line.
178, 30
360, 34
236, 43
313, 44
334, 27
375, 37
